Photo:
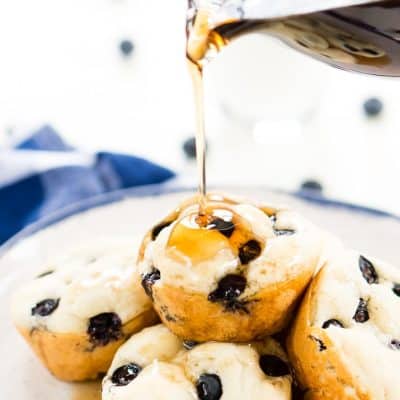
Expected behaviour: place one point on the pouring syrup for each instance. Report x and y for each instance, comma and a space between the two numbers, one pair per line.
364, 38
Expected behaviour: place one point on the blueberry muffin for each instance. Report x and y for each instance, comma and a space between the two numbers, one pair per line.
81, 308
345, 341
154, 364
232, 276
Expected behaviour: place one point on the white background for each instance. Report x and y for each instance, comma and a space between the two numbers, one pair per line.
274, 117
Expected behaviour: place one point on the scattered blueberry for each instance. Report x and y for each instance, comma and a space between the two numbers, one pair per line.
149, 280
126, 46
361, 315
373, 107
273, 366
332, 322
224, 227
158, 228
189, 147
124, 375
104, 328
209, 387
367, 270
249, 251
45, 307
396, 289
311, 185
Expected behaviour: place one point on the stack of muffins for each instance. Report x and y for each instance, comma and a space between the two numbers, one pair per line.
255, 303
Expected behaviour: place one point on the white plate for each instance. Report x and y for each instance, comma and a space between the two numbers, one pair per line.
22, 377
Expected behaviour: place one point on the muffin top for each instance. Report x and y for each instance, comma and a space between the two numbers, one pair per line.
254, 245
155, 364
357, 303
83, 290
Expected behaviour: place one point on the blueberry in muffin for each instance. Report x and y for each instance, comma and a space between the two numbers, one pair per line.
232, 275
344, 343
77, 313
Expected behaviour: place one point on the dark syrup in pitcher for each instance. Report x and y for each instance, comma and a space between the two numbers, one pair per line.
363, 38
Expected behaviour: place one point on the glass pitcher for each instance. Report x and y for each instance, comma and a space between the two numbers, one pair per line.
355, 35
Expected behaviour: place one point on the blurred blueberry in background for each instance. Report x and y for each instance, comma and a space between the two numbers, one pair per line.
373, 107
311, 185
126, 47
189, 147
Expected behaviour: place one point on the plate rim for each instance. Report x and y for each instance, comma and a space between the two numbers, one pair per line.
153, 190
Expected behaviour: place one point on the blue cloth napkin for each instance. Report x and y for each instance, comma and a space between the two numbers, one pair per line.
35, 194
